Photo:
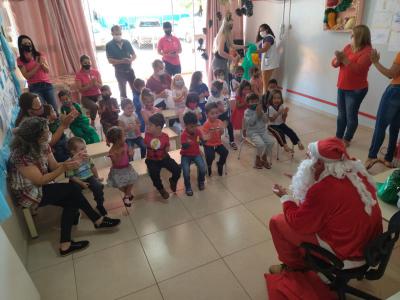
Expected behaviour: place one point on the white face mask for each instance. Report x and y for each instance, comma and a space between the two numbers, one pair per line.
179, 83
263, 34
117, 38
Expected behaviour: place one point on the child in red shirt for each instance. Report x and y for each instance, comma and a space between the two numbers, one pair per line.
190, 140
157, 143
213, 128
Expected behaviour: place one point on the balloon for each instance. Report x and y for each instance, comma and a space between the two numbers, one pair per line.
248, 60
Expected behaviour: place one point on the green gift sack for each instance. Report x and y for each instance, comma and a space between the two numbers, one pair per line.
389, 190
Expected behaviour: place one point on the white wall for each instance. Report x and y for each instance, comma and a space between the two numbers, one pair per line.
15, 283
308, 50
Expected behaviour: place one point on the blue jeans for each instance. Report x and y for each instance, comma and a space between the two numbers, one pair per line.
348, 103
388, 114
138, 142
201, 169
46, 93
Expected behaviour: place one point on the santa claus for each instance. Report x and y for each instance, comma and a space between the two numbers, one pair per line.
332, 204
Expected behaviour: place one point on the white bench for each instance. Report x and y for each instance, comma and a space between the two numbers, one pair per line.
387, 210
138, 165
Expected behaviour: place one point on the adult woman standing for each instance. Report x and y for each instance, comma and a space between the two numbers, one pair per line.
170, 47
269, 54
88, 82
32, 172
35, 69
388, 113
354, 62
223, 43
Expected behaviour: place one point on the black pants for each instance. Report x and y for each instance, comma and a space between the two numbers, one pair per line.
70, 198
154, 168
225, 117
210, 154
97, 189
172, 69
283, 130
124, 76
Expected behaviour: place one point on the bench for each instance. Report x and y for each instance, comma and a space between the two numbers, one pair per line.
169, 114
138, 165
387, 210
101, 148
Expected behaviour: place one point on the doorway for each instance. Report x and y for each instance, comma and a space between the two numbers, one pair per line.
141, 22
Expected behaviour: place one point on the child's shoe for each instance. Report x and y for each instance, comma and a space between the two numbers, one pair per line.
164, 194
220, 169
172, 184
189, 192
258, 164
108, 223
287, 148
201, 186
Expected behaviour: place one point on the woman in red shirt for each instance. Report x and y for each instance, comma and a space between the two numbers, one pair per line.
34, 67
88, 82
353, 63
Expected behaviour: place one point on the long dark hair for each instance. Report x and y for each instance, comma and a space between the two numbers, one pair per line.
25, 141
267, 29
273, 93
196, 78
25, 103
35, 53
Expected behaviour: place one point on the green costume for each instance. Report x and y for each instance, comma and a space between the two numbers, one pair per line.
80, 127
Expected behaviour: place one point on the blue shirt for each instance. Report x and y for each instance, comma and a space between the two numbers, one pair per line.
138, 108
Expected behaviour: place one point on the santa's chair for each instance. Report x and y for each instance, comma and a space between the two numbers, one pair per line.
376, 256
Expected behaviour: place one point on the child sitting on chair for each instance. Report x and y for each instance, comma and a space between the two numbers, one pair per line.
212, 129
266, 98
157, 143
190, 140
148, 106
255, 81
80, 127
192, 105
255, 129
108, 109
86, 176
277, 114
130, 123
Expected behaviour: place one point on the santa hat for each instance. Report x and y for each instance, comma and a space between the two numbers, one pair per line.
329, 150
338, 164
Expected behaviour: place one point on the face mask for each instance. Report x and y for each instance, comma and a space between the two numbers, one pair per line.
27, 48
192, 106
117, 38
179, 83
215, 93
159, 73
168, 31
253, 106
86, 67
263, 34
106, 97
66, 103
239, 78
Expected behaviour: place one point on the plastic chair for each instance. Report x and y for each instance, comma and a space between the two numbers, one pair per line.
279, 141
376, 256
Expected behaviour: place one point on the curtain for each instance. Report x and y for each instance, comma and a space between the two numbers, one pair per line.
59, 29
213, 6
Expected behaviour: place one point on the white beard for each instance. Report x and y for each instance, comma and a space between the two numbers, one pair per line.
303, 179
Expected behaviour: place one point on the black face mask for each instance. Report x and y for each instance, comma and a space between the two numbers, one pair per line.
168, 31
27, 48
86, 67
239, 78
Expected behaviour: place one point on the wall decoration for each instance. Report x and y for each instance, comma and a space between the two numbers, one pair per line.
385, 28
342, 15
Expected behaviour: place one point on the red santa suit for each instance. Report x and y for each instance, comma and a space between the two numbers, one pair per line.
339, 212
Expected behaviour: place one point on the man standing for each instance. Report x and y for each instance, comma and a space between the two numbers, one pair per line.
169, 47
333, 205
121, 55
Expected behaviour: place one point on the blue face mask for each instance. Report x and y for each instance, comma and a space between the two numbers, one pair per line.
253, 106
215, 93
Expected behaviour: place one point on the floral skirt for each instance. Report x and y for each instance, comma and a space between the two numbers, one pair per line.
119, 178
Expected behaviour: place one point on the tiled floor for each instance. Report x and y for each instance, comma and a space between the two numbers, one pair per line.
214, 245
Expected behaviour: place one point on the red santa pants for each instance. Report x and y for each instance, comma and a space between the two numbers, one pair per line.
287, 242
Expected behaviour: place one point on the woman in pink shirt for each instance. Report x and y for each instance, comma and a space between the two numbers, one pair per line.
169, 47
88, 82
35, 69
